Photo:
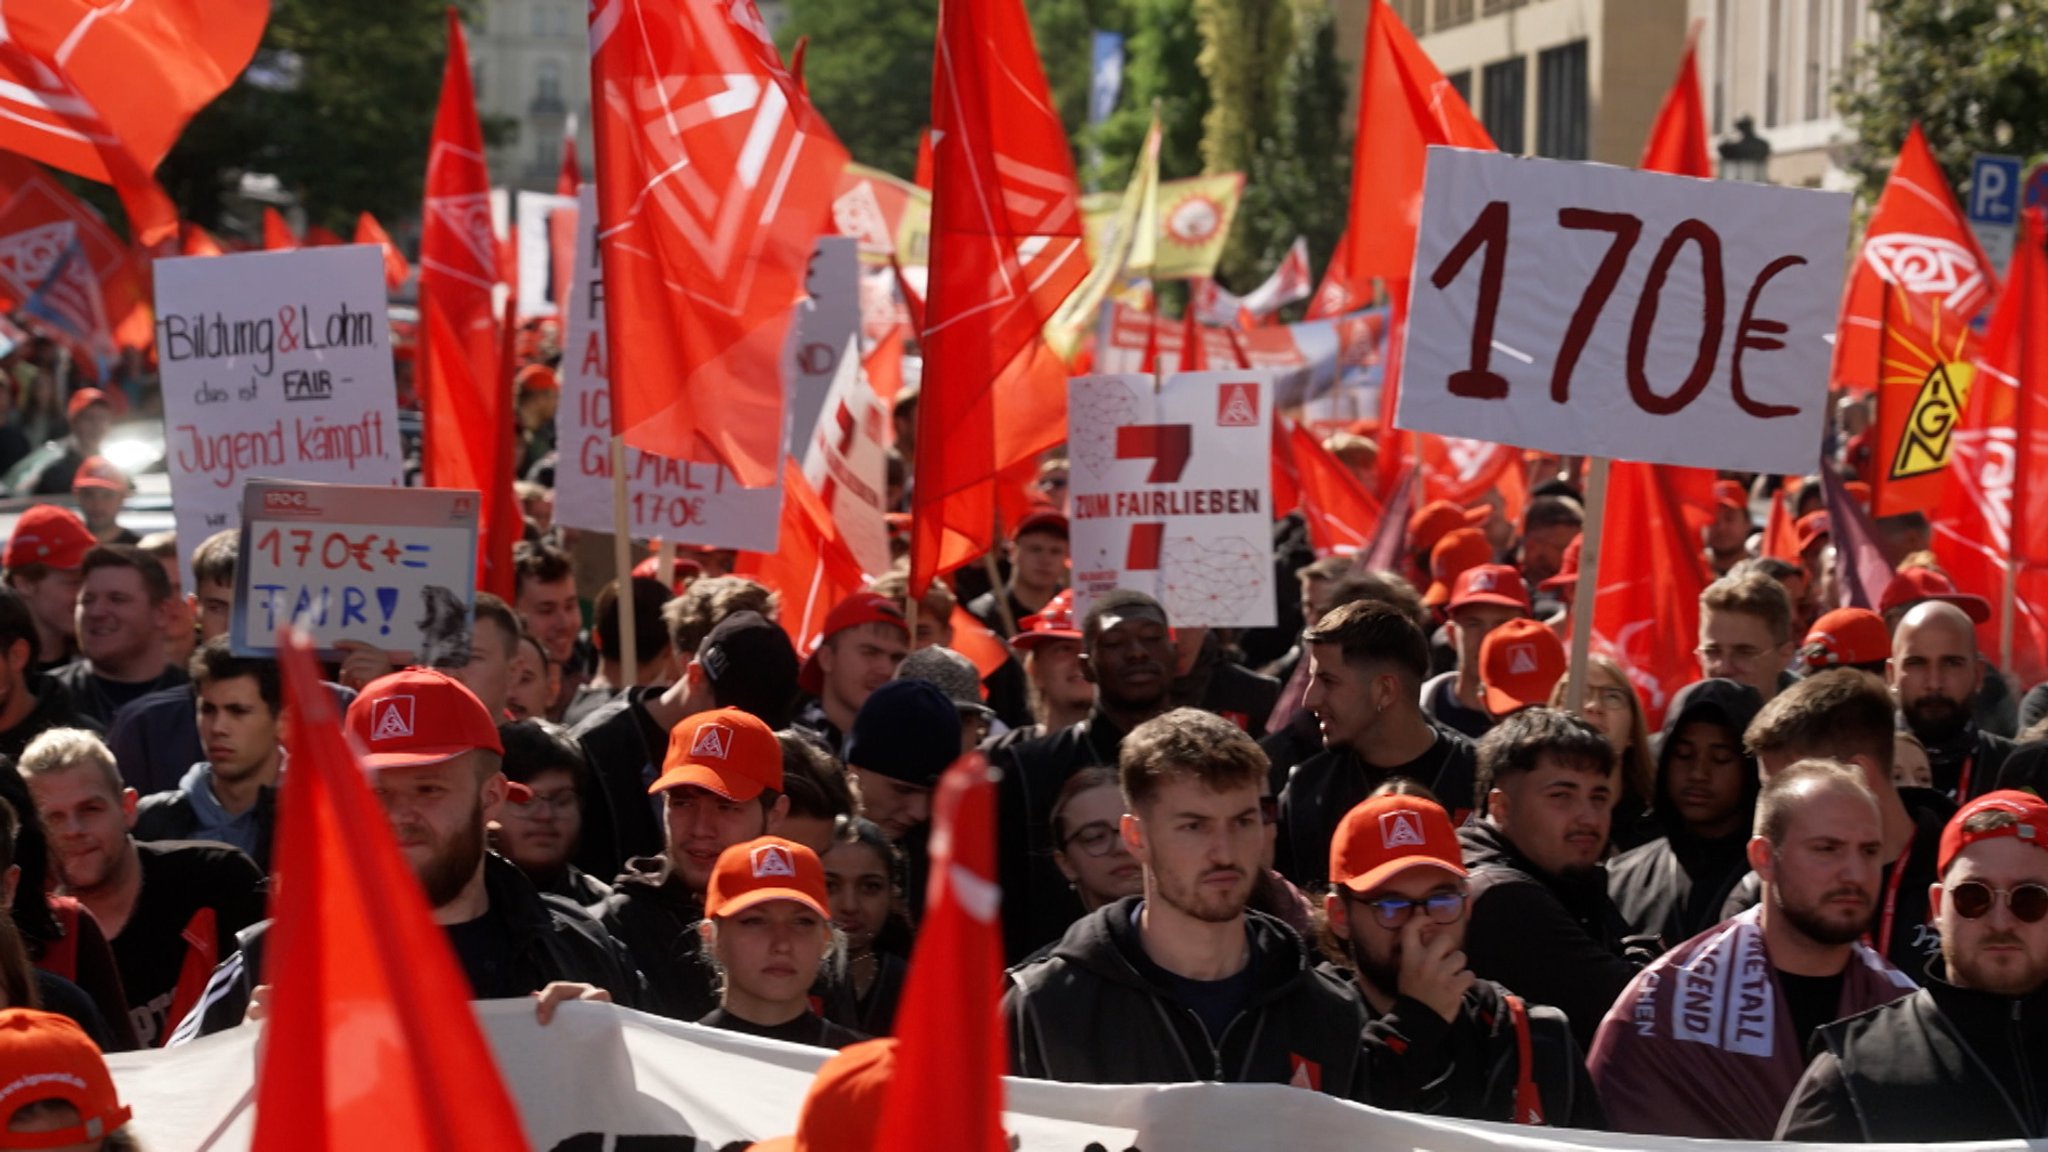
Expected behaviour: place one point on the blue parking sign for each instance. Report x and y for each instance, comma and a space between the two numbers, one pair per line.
1994, 190
2037, 186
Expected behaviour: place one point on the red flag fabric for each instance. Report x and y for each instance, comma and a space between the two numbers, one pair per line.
1194, 349
1404, 106
922, 177
714, 179
371, 1042
318, 237
95, 298
1341, 514
464, 393
978, 642
1918, 241
1005, 251
1647, 609
570, 177
1678, 139
1993, 517
913, 300
1781, 531
368, 231
103, 90
1922, 385
1338, 294
1148, 360
811, 567
277, 234
196, 241
952, 1051
884, 365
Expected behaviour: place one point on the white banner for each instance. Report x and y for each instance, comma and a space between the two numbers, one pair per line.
847, 462
829, 316
532, 212
1171, 493
601, 1072
676, 500
274, 364
1588, 310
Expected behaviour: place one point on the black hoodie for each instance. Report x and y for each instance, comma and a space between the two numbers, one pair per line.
1097, 1010
1674, 887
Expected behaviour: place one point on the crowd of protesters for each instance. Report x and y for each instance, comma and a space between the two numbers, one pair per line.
1375, 852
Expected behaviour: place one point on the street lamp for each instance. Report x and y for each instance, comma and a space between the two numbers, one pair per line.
1747, 156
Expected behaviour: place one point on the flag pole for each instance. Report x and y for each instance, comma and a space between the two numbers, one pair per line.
1588, 582
622, 564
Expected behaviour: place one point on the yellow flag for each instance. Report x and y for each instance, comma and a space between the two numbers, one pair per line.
1129, 244
1194, 217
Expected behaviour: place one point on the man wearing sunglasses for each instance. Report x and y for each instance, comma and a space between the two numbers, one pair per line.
1396, 907
1966, 1057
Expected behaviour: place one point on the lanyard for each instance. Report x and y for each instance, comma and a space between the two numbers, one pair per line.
1891, 901
1963, 779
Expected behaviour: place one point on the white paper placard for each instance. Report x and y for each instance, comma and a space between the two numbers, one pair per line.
274, 364
675, 500
532, 213
1589, 310
828, 317
847, 462
1171, 493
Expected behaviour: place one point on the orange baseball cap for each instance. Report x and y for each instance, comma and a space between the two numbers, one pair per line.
1055, 621
418, 717
726, 751
768, 868
1846, 636
536, 378
1460, 549
1729, 494
1520, 662
99, 472
843, 1110
1438, 517
48, 535
85, 398
44, 1056
1386, 835
1567, 568
1811, 529
2032, 826
852, 612
1490, 584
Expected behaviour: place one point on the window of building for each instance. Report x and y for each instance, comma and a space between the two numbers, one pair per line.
1451, 13
1461, 83
1503, 97
1562, 111
1495, 7
540, 19
547, 81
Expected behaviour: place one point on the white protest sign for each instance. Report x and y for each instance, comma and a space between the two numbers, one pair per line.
532, 216
274, 364
392, 568
1172, 493
827, 317
676, 500
1587, 310
847, 463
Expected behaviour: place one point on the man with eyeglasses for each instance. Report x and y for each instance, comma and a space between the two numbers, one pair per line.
1746, 633
1396, 909
1966, 1057
1710, 1040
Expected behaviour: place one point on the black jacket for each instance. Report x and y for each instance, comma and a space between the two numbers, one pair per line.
1555, 940
1674, 887
625, 748
90, 700
1038, 905
1972, 753
552, 939
1098, 1011
1325, 786
1230, 690
1943, 1064
52, 710
171, 816
654, 914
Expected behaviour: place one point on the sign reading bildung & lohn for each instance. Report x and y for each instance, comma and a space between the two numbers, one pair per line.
1172, 493
1587, 310
678, 501
273, 364
394, 569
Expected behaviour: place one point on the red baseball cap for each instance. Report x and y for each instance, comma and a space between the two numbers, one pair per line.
1055, 621
1042, 518
843, 1110
768, 868
85, 398
1568, 567
852, 612
1912, 585
1729, 494
1490, 584
417, 717
1859, 492
536, 378
1846, 636
99, 472
1811, 528
1520, 662
1387, 835
726, 751
49, 535
1434, 519
44, 1056
1459, 550
2032, 827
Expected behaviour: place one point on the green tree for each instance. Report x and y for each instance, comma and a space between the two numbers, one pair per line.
1974, 73
350, 135
1300, 178
1246, 46
869, 71
1160, 64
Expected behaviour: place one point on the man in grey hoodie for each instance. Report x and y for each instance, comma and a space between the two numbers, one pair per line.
230, 796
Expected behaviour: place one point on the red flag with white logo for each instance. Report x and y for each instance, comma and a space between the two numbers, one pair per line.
1646, 613
1005, 251
1337, 294
104, 89
715, 178
811, 567
1341, 514
55, 248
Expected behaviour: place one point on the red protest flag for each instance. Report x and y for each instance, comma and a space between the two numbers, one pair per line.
371, 1041
715, 178
277, 234
1781, 531
1922, 386
318, 237
1647, 610
368, 231
196, 241
104, 90
811, 566
1919, 242
978, 642
1404, 106
922, 177
1005, 251
570, 177
464, 393
1341, 514
1337, 294
57, 251
1194, 352
1678, 139
1993, 517
952, 1051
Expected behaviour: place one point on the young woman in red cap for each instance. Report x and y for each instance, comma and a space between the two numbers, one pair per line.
767, 931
